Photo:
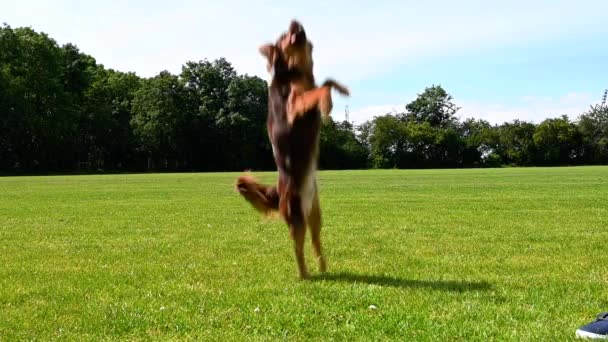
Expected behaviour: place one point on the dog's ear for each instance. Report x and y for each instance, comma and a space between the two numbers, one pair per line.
269, 51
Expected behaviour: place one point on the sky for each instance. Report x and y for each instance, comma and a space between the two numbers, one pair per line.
501, 61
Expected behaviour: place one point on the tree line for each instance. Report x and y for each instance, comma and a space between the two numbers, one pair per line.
61, 111
428, 134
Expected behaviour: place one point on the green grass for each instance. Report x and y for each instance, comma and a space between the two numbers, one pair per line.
501, 254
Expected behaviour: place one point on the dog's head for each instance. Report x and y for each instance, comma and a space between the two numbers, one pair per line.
293, 47
296, 48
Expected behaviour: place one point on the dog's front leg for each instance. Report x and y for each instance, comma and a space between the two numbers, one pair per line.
300, 103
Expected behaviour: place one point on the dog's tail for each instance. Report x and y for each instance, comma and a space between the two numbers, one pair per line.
264, 198
337, 86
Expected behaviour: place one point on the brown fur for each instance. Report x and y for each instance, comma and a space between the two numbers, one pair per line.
295, 143
263, 198
301, 102
305, 96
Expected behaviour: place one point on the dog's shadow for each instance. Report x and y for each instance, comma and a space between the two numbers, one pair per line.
389, 281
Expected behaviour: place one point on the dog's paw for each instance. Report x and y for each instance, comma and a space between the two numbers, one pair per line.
322, 265
304, 276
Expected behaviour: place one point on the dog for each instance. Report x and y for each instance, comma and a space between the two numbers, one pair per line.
293, 123
304, 95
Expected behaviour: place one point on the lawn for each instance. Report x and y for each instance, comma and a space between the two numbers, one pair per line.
498, 254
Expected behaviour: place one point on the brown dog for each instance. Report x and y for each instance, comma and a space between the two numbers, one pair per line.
295, 141
304, 95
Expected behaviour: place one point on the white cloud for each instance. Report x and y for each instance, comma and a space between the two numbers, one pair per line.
360, 115
527, 108
352, 41
530, 108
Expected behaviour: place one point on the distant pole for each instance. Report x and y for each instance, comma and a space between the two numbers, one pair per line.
604, 98
346, 113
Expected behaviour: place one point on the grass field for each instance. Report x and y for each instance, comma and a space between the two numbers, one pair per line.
499, 254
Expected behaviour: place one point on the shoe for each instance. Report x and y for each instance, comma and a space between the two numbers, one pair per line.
597, 329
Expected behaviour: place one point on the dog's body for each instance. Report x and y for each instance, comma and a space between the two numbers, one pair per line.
293, 124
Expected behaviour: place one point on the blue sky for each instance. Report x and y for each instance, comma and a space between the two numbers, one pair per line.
500, 60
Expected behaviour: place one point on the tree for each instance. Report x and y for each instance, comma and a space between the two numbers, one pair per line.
243, 122
448, 147
61, 111
38, 118
558, 142
78, 72
593, 127
105, 134
387, 141
158, 115
424, 135
434, 106
364, 132
206, 85
419, 147
339, 147
516, 143
478, 139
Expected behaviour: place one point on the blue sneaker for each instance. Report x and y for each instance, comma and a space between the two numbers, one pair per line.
597, 329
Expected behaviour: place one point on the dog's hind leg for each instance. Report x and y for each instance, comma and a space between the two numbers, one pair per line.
314, 222
298, 233
292, 212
